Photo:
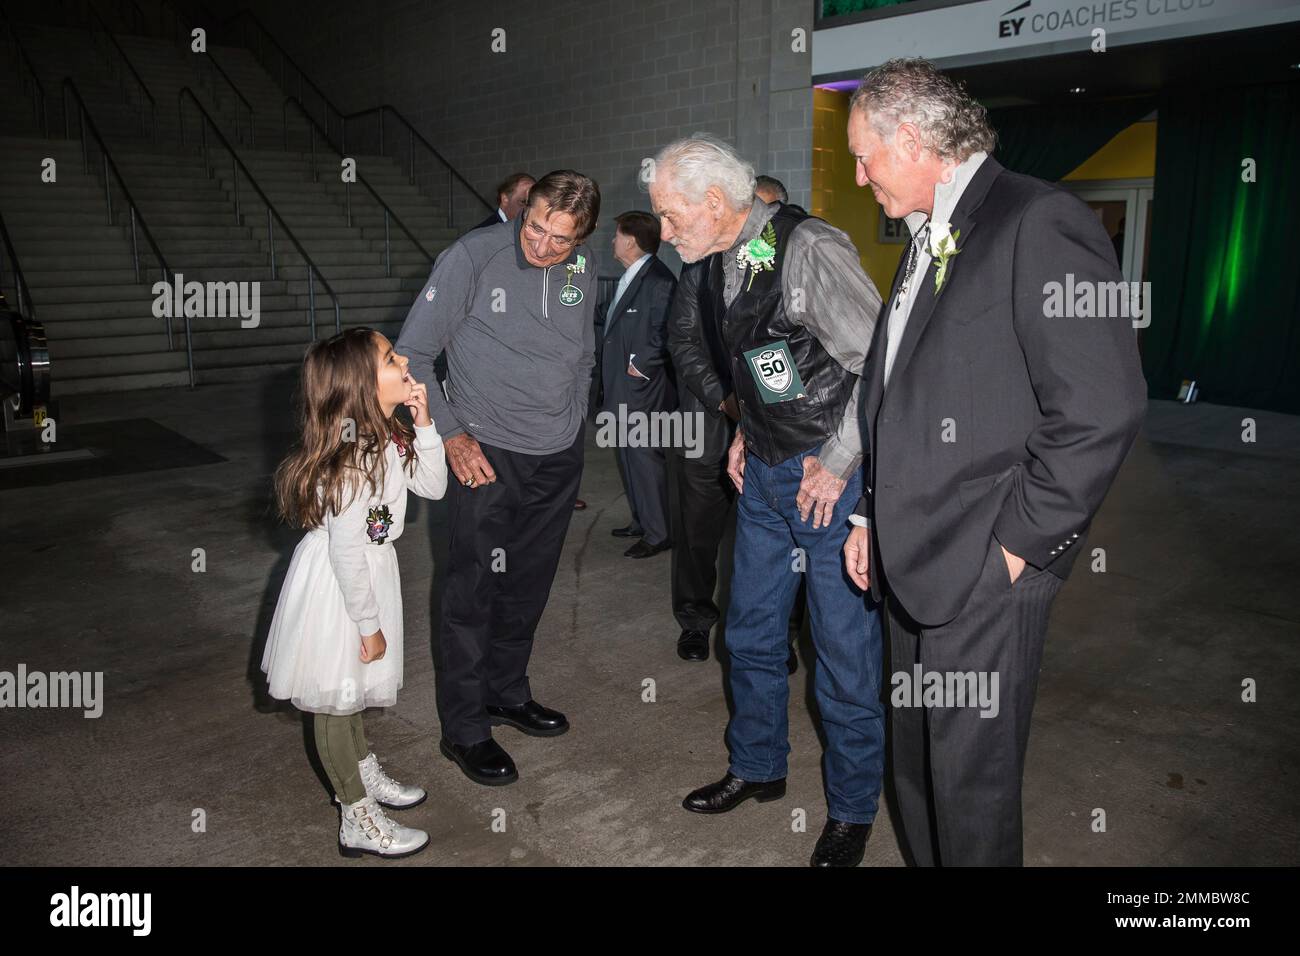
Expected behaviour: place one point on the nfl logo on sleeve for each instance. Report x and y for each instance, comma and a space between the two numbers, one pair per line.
428, 296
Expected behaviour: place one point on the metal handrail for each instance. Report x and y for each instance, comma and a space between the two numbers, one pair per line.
347, 187
140, 18
23, 58
252, 136
153, 106
24, 294
414, 136
330, 110
86, 123
183, 36
264, 36
272, 214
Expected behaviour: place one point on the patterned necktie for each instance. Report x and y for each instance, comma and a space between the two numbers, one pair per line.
912, 256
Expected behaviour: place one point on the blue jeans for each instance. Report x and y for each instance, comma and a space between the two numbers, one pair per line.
845, 630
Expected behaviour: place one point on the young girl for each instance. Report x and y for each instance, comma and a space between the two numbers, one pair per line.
335, 646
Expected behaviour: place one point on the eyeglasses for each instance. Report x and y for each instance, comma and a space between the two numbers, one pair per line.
538, 233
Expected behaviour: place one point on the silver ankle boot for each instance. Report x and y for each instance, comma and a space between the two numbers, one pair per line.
386, 791
365, 828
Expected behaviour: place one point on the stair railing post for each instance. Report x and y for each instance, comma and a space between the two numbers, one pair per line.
108, 191
135, 250
311, 300
270, 238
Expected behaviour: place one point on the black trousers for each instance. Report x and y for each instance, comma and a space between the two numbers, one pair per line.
506, 539
958, 774
698, 509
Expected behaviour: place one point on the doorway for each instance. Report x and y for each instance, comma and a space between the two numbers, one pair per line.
1124, 207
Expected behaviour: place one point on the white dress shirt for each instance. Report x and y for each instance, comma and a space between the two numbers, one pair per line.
946, 195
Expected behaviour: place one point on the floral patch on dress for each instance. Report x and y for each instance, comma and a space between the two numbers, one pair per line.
378, 523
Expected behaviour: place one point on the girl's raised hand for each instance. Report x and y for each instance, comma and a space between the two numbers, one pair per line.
418, 403
373, 647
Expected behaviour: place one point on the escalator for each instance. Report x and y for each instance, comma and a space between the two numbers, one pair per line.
24, 367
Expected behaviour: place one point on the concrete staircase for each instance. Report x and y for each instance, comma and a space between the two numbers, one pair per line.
99, 320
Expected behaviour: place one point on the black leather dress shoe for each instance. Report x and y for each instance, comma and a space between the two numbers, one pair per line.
841, 844
693, 646
643, 550
792, 662
532, 718
730, 791
484, 762
628, 532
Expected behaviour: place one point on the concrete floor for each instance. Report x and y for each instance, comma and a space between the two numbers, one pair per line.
1139, 709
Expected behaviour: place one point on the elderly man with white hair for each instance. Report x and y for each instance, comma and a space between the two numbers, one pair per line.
796, 313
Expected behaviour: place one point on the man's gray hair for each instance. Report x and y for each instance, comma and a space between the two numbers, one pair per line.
952, 124
700, 161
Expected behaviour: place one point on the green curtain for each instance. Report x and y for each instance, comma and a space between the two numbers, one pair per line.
1224, 262
1052, 141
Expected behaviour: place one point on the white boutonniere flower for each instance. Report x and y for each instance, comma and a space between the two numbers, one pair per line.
758, 255
576, 268
943, 246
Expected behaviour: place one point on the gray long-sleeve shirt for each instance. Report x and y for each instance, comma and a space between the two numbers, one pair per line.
826, 291
519, 359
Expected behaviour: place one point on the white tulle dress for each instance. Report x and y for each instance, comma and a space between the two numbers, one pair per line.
343, 582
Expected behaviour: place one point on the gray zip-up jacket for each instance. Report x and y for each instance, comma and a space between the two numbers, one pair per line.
519, 358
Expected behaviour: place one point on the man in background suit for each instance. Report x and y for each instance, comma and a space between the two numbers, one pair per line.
634, 369
703, 494
995, 428
512, 196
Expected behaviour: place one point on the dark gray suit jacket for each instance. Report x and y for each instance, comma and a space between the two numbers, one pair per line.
636, 325
1041, 411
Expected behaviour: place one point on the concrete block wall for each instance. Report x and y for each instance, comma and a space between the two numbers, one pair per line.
596, 86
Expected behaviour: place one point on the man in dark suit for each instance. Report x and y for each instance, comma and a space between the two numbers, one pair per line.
704, 494
994, 430
512, 196
634, 370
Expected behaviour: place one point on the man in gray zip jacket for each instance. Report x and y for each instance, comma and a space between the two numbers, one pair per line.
513, 305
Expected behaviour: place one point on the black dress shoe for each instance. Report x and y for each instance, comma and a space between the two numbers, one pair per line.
628, 532
729, 791
693, 646
841, 844
484, 762
792, 662
532, 718
643, 550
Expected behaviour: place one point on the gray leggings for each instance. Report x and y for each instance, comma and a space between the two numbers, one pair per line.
341, 744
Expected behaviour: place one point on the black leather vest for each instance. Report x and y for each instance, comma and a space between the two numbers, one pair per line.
756, 318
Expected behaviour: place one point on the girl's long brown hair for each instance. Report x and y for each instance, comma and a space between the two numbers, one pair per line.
344, 431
